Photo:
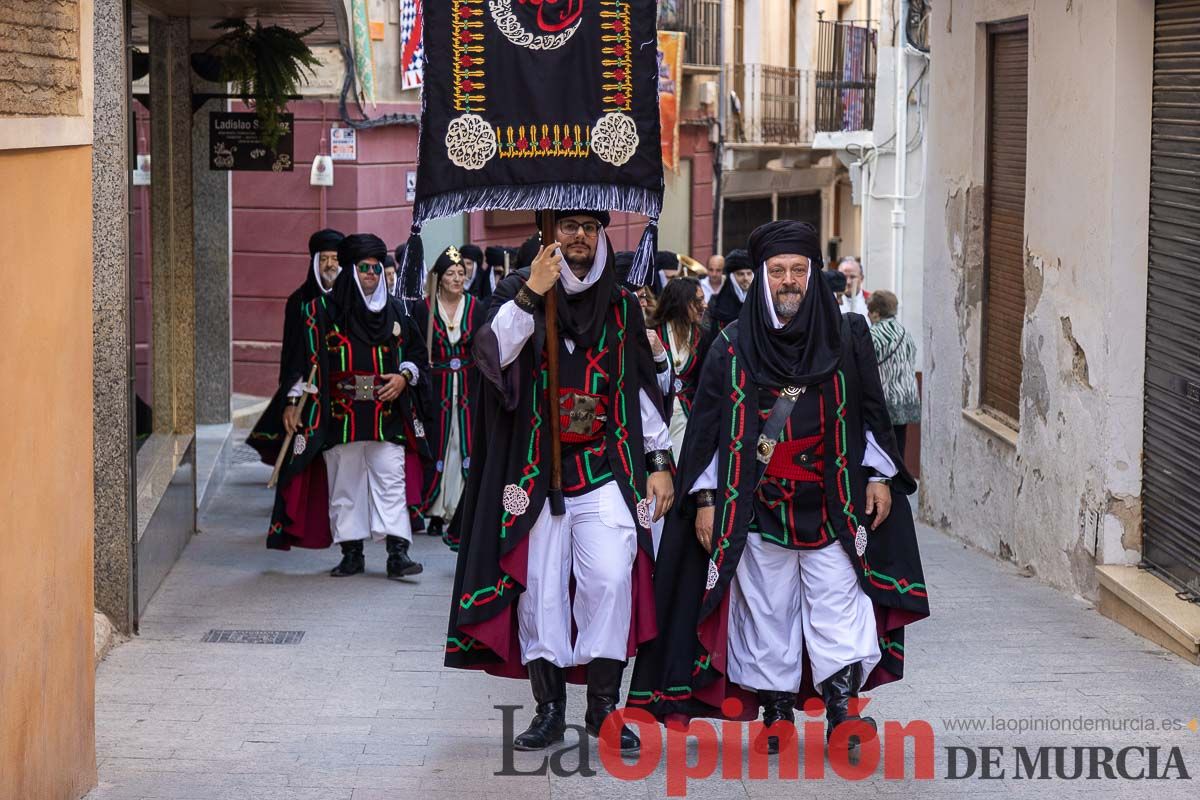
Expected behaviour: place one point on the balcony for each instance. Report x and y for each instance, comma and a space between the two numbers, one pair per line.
845, 84
769, 105
701, 21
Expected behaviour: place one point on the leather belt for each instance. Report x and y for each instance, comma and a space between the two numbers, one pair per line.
355, 387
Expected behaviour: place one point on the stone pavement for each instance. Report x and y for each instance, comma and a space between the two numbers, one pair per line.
362, 709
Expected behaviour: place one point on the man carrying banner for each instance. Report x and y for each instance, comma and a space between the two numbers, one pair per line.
615, 462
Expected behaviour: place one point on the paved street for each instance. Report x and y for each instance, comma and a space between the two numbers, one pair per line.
362, 709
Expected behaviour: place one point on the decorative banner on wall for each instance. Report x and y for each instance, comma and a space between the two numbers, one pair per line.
412, 48
670, 74
668, 13
550, 104
364, 61
234, 143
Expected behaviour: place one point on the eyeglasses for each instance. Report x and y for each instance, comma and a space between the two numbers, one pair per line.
366, 268
571, 228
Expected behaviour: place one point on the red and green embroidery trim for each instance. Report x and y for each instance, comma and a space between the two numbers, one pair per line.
481, 597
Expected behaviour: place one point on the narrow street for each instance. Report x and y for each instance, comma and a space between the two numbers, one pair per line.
360, 708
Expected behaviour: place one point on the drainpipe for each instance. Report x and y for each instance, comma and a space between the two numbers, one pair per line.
901, 177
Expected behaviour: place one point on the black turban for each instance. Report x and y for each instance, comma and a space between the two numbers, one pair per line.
494, 256
665, 259
528, 251
388, 261
624, 260
737, 260
357, 246
837, 281
785, 236
323, 240
473, 252
448, 258
602, 217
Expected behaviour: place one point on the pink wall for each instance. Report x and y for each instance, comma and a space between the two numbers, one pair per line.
274, 214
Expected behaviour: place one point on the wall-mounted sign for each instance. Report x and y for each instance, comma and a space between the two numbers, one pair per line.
234, 143
343, 144
141, 174
410, 185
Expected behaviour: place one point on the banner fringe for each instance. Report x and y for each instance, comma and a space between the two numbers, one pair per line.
556, 196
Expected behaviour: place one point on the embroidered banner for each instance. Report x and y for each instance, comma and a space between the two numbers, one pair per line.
670, 75
412, 49
364, 58
539, 104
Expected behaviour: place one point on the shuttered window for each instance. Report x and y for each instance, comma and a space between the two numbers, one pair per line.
1004, 231
1171, 470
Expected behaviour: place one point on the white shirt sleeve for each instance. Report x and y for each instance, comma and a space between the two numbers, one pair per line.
707, 479
875, 458
664, 377
297, 390
654, 430
411, 367
512, 328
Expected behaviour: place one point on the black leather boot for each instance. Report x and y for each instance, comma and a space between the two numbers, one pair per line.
399, 565
352, 560
435, 526
550, 722
603, 694
778, 707
837, 691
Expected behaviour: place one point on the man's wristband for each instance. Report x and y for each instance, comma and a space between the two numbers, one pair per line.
408, 376
658, 461
294, 401
528, 300
705, 498
875, 476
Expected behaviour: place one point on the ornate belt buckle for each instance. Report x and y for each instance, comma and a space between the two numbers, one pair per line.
766, 448
581, 415
364, 387
456, 364
792, 392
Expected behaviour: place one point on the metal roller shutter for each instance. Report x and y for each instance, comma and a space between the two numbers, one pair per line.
1171, 509
1004, 267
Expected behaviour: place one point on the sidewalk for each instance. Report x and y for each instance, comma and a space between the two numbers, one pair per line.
362, 709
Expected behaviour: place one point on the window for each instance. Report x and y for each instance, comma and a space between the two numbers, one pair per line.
1004, 219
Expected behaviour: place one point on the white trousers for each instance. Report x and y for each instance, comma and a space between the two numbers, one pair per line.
366, 491
781, 599
596, 542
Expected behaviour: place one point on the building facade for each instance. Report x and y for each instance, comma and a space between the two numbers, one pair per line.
1059, 392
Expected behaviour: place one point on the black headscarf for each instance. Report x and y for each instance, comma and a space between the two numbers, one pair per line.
528, 251
326, 239
623, 260
319, 242
737, 260
807, 349
581, 316
446, 259
494, 256
473, 252
349, 309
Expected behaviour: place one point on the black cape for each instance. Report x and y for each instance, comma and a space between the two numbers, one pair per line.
510, 451
682, 673
301, 513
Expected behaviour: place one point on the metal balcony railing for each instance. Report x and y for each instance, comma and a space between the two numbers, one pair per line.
845, 76
701, 21
769, 105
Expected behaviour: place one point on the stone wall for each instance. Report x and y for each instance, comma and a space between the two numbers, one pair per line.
39, 58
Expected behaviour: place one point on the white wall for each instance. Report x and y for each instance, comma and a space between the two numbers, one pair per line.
1061, 493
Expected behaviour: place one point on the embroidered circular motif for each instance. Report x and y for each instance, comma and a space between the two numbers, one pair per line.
470, 141
615, 138
860, 541
556, 23
714, 575
643, 512
418, 429
299, 444
515, 501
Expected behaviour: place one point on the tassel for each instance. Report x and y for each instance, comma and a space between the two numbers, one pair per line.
642, 269
411, 266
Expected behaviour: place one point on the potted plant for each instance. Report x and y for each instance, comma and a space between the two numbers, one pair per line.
266, 66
